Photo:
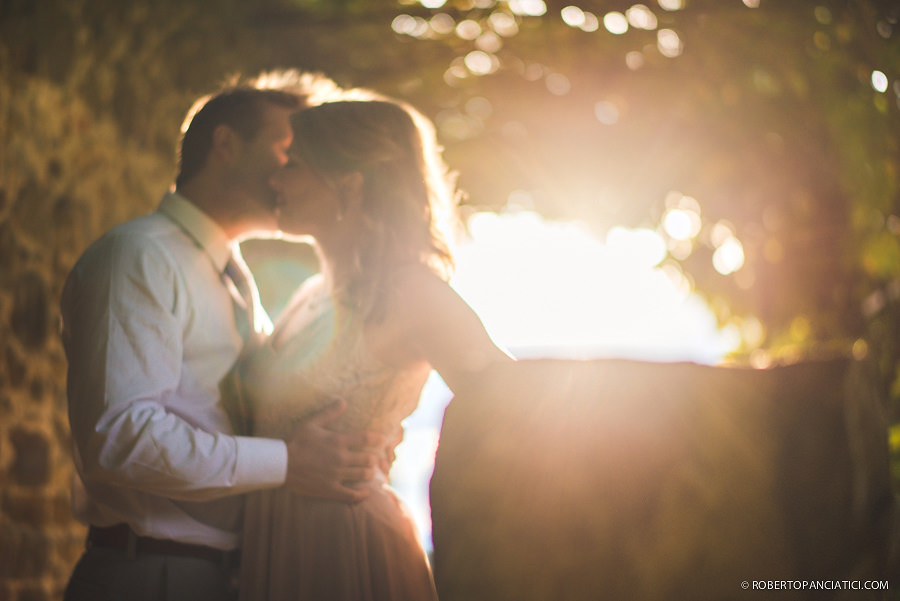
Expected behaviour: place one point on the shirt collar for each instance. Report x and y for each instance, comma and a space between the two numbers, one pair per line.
198, 225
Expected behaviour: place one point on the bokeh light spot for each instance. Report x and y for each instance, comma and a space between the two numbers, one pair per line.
528, 8
634, 60
671, 4
591, 22
456, 73
479, 62
680, 249
572, 16
729, 257
468, 29
823, 15
753, 331
558, 84
721, 232
681, 224
533, 72
822, 41
479, 107
669, 43
879, 82
615, 23
403, 24
641, 17
489, 42
503, 24
606, 112
442, 24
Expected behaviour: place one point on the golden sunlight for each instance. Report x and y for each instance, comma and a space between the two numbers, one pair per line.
544, 287
553, 288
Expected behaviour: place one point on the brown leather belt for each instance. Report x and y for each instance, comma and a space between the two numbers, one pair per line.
123, 538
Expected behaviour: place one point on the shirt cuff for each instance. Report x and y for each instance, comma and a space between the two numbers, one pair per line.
261, 463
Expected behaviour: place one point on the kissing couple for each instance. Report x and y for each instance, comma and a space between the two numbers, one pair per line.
222, 456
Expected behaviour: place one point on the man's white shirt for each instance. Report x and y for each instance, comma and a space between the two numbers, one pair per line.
149, 332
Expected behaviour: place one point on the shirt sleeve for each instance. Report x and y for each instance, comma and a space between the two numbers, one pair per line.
123, 328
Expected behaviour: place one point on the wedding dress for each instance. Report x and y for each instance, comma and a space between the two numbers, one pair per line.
300, 548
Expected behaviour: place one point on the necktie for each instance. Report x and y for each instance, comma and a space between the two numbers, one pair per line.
237, 280
242, 294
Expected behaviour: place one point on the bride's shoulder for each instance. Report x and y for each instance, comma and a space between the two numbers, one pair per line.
423, 297
417, 299
418, 283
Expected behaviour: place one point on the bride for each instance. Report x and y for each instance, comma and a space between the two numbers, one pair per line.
365, 180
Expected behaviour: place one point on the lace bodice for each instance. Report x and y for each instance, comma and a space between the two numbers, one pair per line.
317, 353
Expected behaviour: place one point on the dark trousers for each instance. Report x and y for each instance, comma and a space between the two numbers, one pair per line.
105, 574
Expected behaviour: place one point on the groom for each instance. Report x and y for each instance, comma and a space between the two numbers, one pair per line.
155, 313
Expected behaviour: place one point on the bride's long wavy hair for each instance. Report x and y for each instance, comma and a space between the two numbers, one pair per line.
408, 195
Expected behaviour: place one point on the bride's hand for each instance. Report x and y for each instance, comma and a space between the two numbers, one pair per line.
327, 464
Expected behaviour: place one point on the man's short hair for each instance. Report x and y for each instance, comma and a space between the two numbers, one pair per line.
239, 107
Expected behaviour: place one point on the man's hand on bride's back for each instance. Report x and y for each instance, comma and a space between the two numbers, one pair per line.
330, 465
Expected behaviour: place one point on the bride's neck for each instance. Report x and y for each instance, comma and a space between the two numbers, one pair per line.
337, 261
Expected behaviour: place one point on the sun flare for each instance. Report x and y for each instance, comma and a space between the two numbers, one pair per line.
554, 289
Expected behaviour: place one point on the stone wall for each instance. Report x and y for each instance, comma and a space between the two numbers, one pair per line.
91, 96
616, 479
63, 181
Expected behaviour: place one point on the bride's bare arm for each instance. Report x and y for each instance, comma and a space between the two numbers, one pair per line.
442, 328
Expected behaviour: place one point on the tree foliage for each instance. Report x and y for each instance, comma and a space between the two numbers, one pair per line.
780, 119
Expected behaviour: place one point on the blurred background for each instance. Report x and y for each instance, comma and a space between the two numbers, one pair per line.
704, 180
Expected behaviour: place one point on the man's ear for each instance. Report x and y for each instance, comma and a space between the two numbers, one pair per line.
225, 144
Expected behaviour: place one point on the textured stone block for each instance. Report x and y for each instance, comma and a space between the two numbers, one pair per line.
30, 311
25, 508
34, 593
31, 457
26, 552
16, 370
618, 479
